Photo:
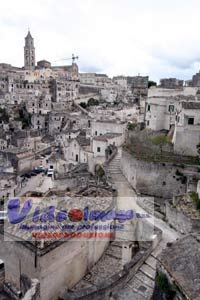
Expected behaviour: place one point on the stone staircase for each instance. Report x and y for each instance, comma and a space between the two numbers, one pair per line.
113, 170
114, 166
141, 286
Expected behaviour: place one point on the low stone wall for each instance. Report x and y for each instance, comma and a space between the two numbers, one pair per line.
155, 179
180, 221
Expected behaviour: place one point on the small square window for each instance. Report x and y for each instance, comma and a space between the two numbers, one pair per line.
98, 149
190, 121
171, 108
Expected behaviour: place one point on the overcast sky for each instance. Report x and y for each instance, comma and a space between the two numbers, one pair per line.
155, 37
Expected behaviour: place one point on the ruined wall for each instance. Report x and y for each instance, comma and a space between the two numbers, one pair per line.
16, 256
154, 179
176, 218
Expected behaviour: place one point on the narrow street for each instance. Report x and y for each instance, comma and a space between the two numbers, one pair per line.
140, 287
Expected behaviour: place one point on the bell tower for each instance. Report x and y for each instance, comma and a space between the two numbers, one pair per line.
29, 52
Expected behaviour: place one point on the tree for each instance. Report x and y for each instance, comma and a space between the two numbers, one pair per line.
131, 126
4, 117
83, 105
151, 83
99, 172
24, 117
160, 140
92, 102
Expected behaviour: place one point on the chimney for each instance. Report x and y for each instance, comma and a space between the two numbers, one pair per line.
127, 252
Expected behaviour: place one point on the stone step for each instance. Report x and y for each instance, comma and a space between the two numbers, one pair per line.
140, 287
127, 294
148, 271
143, 278
113, 166
151, 261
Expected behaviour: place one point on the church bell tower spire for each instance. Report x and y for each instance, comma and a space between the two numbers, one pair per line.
29, 52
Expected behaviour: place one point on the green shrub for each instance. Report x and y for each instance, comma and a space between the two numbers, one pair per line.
194, 196
165, 287
131, 126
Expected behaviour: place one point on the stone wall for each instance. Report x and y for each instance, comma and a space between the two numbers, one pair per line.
34, 291
58, 267
112, 285
180, 221
186, 140
153, 179
2, 278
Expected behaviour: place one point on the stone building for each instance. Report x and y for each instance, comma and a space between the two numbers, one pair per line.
171, 83
187, 130
77, 151
138, 85
162, 104
121, 81
100, 143
101, 127
58, 263
39, 122
87, 78
195, 82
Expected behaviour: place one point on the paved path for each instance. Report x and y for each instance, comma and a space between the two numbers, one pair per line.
39, 183
140, 287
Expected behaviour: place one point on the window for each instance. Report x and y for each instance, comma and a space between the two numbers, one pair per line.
95, 132
98, 149
148, 107
190, 121
171, 108
148, 123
